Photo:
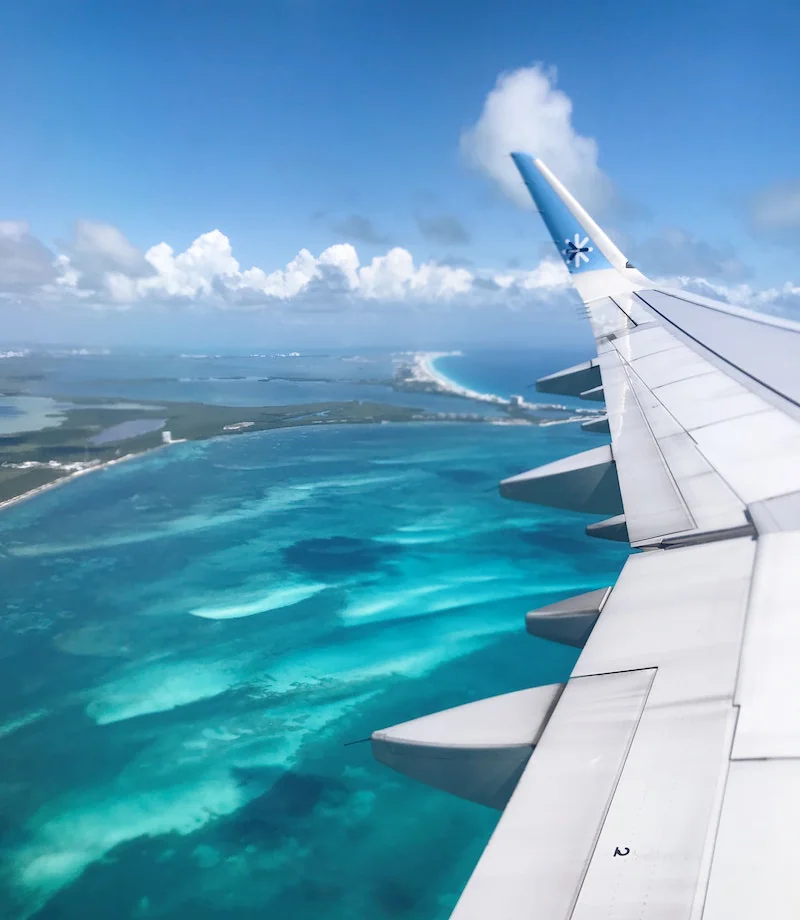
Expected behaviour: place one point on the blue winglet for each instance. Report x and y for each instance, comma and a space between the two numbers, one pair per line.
576, 248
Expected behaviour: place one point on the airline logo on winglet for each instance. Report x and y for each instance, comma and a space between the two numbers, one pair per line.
577, 250
573, 243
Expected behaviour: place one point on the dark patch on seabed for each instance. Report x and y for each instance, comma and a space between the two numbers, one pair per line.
291, 796
463, 476
338, 555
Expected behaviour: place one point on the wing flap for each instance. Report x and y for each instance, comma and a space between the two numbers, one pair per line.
668, 487
768, 692
659, 817
632, 769
653, 504
754, 870
536, 859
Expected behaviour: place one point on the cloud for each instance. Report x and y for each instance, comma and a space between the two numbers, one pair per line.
781, 300
106, 248
526, 112
549, 274
455, 261
774, 212
207, 276
360, 228
99, 250
677, 252
24, 260
101, 269
445, 228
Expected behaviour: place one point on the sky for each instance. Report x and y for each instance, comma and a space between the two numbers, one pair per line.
307, 172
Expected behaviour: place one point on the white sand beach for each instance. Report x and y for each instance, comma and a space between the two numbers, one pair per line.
423, 370
72, 471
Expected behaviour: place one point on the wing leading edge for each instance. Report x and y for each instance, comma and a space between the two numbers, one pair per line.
663, 779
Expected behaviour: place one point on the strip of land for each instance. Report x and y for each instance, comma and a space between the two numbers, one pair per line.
421, 375
31, 461
98, 431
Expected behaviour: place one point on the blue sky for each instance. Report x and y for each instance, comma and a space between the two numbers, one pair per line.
303, 125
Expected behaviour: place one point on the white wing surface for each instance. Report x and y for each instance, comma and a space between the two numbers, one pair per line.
662, 781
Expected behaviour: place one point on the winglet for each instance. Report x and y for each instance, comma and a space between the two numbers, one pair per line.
582, 245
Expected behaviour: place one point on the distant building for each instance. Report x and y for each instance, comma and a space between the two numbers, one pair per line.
238, 426
166, 437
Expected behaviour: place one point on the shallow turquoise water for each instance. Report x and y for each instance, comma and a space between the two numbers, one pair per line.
189, 639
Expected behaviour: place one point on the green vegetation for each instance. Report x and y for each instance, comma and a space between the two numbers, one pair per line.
71, 442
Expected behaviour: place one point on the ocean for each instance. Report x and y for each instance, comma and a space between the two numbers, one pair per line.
191, 639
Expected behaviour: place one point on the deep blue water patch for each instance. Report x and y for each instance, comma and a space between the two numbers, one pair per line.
338, 554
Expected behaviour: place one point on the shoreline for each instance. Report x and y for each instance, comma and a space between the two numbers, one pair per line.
419, 374
425, 364
95, 467
424, 371
89, 468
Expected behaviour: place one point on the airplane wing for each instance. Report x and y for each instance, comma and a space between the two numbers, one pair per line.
662, 780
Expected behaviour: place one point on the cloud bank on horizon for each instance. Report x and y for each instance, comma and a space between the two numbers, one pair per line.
100, 269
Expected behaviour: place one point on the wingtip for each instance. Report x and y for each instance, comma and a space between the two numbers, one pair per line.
566, 220
527, 167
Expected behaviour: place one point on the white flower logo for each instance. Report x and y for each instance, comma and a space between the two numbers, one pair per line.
577, 250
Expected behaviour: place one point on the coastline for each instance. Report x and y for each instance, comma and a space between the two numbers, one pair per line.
68, 477
417, 372
234, 428
425, 363
38, 461
424, 371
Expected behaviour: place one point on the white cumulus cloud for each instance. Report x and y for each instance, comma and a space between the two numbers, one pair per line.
779, 300
207, 272
526, 112
24, 260
97, 247
208, 275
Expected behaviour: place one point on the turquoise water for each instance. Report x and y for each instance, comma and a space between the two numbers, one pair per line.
189, 640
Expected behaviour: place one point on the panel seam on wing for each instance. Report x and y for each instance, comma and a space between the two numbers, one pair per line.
717, 355
617, 781
629, 372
